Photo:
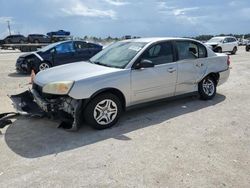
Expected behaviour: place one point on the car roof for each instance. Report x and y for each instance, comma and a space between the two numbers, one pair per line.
17, 35
222, 37
158, 39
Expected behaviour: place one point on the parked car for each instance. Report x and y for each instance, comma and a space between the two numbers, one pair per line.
223, 44
15, 39
56, 54
59, 32
125, 74
38, 38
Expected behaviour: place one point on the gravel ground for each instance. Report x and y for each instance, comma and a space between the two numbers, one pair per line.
180, 143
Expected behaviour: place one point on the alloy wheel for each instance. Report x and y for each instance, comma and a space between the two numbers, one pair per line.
43, 66
105, 112
208, 86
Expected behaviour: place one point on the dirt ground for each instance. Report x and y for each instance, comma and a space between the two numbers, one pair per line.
181, 143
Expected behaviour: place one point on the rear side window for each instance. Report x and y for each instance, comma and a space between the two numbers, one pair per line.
232, 39
160, 53
202, 51
187, 50
80, 45
90, 45
190, 50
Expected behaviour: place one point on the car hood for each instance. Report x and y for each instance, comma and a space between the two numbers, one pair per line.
72, 72
30, 54
211, 43
25, 55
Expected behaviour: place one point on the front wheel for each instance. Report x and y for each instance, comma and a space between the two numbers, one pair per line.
207, 88
234, 51
43, 66
103, 111
219, 50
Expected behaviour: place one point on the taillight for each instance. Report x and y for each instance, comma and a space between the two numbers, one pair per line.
228, 60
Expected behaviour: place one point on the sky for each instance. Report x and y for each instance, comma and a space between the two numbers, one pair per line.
116, 18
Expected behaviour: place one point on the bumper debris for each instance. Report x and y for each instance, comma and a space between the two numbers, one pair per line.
31, 103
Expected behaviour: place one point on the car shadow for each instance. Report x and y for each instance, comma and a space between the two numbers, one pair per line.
32, 138
17, 75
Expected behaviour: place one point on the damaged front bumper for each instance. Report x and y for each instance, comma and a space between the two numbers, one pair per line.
64, 108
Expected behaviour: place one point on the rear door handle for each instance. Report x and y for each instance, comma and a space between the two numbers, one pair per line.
171, 70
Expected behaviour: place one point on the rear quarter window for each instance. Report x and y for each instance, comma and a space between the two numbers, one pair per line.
202, 51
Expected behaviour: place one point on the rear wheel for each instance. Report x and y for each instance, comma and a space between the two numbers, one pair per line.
234, 50
103, 111
247, 48
207, 88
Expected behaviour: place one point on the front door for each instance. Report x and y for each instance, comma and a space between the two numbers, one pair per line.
64, 53
155, 82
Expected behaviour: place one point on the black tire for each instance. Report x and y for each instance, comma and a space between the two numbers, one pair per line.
247, 48
91, 113
207, 93
219, 50
234, 51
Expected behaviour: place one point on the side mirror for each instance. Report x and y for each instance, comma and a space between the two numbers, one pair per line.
144, 63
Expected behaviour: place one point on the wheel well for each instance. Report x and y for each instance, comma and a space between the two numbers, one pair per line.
115, 92
215, 76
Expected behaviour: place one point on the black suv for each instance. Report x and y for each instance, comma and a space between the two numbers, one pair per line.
57, 54
38, 38
15, 39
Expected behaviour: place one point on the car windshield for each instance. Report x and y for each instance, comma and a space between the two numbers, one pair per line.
118, 55
216, 39
44, 49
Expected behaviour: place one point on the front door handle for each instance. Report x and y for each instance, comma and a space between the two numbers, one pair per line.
171, 70
199, 64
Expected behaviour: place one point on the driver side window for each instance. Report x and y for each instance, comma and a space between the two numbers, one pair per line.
159, 54
65, 48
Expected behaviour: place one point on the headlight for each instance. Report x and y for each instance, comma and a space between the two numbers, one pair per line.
58, 88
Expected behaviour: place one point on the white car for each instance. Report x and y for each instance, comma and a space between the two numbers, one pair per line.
223, 44
125, 74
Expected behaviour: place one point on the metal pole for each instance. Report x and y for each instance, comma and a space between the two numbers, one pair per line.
9, 26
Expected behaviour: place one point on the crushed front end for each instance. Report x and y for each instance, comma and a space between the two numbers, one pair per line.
35, 102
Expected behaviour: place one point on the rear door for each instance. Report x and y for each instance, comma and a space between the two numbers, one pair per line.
64, 53
158, 81
93, 49
190, 66
81, 51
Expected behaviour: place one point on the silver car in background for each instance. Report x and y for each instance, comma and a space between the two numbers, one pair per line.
125, 74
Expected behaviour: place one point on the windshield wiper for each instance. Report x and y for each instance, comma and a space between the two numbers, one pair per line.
106, 65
